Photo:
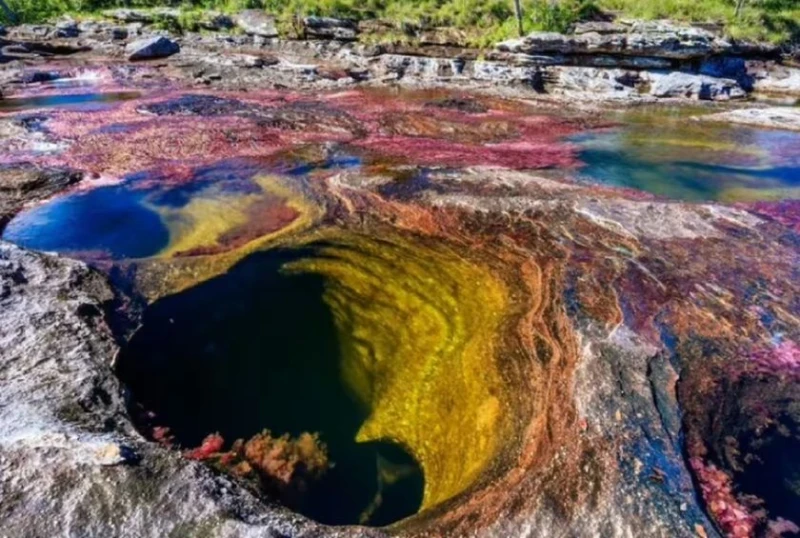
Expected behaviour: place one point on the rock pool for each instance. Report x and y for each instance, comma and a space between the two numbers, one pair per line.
474, 307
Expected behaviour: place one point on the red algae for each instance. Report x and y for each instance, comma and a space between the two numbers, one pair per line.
264, 217
282, 467
196, 128
787, 212
435, 152
713, 289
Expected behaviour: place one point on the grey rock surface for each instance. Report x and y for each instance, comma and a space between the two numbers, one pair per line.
256, 22
772, 117
152, 47
71, 463
330, 28
687, 85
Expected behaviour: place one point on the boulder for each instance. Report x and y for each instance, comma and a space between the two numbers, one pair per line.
151, 48
775, 79
216, 22
118, 34
330, 28
256, 22
600, 83
687, 85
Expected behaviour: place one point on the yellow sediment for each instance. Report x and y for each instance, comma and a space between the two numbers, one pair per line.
745, 194
202, 222
418, 326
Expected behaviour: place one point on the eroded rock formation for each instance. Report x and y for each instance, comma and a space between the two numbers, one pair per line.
559, 358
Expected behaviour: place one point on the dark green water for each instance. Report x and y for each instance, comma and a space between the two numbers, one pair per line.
256, 349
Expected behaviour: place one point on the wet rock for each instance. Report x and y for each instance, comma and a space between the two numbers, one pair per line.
691, 86
3, 30
150, 48
25, 183
773, 118
64, 426
470, 106
330, 28
33, 77
196, 105
256, 22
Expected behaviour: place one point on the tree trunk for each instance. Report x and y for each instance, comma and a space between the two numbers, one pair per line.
517, 8
12, 18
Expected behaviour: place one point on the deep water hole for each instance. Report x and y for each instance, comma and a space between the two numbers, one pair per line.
255, 349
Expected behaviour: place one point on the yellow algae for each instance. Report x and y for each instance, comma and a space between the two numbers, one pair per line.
699, 143
746, 194
167, 274
419, 328
209, 216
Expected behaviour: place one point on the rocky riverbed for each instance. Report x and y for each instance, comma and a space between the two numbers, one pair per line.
500, 304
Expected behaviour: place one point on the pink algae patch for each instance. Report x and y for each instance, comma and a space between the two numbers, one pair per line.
716, 486
787, 212
784, 358
436, 152
154, 143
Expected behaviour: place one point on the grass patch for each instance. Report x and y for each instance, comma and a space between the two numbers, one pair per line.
483, 21
777, 21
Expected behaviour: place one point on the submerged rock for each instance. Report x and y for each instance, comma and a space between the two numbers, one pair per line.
152, 48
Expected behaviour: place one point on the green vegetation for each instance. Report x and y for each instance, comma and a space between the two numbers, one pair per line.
773, 20
483, 21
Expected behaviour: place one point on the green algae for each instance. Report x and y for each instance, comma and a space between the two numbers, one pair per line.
417, 325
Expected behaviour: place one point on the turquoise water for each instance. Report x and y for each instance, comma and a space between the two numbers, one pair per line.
124, 221
83, 101
675, 157
106, 220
